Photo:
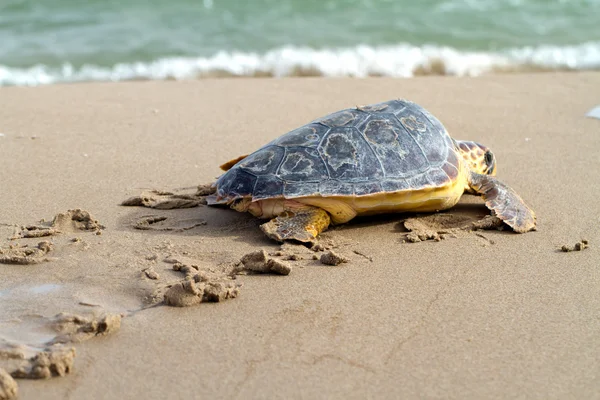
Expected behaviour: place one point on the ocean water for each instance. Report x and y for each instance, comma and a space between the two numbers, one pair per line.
48, 41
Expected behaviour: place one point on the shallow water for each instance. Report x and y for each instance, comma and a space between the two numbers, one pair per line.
66, 41
32, 331
29, 290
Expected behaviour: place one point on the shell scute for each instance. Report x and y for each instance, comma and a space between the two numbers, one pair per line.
450, 170
307, 135
400, 155
236, 183
268, 186
419, 181
302, 164
348, 157
264, 161
431, 137
436, 125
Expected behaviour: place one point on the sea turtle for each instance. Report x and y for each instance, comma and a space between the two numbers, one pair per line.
386, 157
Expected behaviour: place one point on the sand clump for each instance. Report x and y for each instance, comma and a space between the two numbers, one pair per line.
75, 328
76, 220
441, 226
8, 387
25, 255
167, 200
35, 231
184, 294
216, 292
323, 245
433, 227
296, 252
579, 246
260, 262
71, 221
332, 258
201, 286
53, 362
194, 290
206, 189
151, 274
162, 200
12, 351
187, 270
198, 287
489, 222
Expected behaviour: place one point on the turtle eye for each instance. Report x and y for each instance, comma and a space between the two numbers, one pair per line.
488, 157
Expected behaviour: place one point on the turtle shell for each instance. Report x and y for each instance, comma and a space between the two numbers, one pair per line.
386, 147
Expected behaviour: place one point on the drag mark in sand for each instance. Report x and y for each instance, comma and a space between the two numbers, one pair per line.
363, 255
296, 327
54, 358
342, 360
155, 223
416, 330
51, 355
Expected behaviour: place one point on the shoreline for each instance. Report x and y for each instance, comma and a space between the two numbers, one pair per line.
401, 61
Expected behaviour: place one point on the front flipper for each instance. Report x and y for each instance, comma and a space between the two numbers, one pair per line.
303, 223
505, 202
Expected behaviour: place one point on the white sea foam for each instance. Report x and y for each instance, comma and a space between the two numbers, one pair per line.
402, 60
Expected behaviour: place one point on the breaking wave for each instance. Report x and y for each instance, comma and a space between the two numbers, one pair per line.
400, 61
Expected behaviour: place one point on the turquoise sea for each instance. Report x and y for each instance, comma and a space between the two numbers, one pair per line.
47, 41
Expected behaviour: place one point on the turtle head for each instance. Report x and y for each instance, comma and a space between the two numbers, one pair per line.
478, 157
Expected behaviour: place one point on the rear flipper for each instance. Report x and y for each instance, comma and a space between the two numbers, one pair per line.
301, 223
504, 202
229, 164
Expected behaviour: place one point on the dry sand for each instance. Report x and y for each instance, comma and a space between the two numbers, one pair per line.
468, 315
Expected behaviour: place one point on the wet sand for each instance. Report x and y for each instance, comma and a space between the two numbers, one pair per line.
423, 306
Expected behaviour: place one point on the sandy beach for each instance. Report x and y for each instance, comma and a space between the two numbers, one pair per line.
485, 314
